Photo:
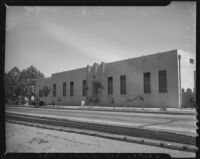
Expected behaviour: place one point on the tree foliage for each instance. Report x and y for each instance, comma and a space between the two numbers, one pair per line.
20, 83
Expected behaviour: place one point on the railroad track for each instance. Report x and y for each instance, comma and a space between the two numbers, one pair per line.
126, 132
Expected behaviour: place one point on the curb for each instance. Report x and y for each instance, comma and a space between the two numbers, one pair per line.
113, 110
130, 111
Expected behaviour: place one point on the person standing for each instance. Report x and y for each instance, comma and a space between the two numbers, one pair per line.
26, 100
32, 99
82, 102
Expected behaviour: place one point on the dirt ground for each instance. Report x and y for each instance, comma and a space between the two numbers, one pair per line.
20, 138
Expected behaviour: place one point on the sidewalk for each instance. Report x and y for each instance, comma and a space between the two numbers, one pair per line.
187, 111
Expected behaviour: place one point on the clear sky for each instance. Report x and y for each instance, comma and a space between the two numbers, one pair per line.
56, 39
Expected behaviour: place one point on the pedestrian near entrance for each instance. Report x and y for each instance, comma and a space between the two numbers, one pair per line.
26, 101
82, 102
32, 100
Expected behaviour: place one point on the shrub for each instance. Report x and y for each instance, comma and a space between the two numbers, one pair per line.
41, 103
163, 109
192, 100
33, 103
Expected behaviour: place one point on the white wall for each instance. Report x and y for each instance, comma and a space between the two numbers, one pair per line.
77, 76
187, 77
134, 69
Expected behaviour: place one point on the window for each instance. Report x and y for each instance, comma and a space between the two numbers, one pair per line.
40, 93
192, 61
64, 88
110, 85
54, 90
163, 81
195, 80
71, 88
84, 87
147, 83
123, 84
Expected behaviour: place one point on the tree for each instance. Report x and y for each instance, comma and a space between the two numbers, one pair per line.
12, 83
28, 79
21, 83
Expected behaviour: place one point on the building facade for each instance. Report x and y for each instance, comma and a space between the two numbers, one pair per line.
159, 80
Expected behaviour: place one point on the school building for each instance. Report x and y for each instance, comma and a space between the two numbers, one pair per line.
159, 80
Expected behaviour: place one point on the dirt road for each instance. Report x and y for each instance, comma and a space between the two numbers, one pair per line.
20, 138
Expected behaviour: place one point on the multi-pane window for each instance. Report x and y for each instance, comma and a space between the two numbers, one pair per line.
71, 88
54, 90
163, 81
147, 85
84, 87
64, 88
110, 85
123, 84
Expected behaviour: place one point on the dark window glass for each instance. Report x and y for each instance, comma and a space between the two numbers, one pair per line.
195, 80
147, 85
54, 90
110, 85
64, 88
84, 87
123, 84
191, 60
163, 81
71, 88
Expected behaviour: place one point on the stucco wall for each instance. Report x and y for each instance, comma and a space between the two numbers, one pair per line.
134, 69
187, 77
77, 76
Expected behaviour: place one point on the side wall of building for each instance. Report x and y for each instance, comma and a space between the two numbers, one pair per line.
134, 70
187, 74
76, 76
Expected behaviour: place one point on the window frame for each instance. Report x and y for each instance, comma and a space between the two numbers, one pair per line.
147, 82
110, 85
162, 89
54, 90
64, 89
71, 88
84, 87
123, 84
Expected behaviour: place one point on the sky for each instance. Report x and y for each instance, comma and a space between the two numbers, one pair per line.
61, 38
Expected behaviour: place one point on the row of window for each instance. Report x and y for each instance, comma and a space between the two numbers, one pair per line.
122, 85
162, 75
71, 88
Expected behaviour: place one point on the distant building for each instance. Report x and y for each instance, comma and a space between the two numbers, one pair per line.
159, 80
